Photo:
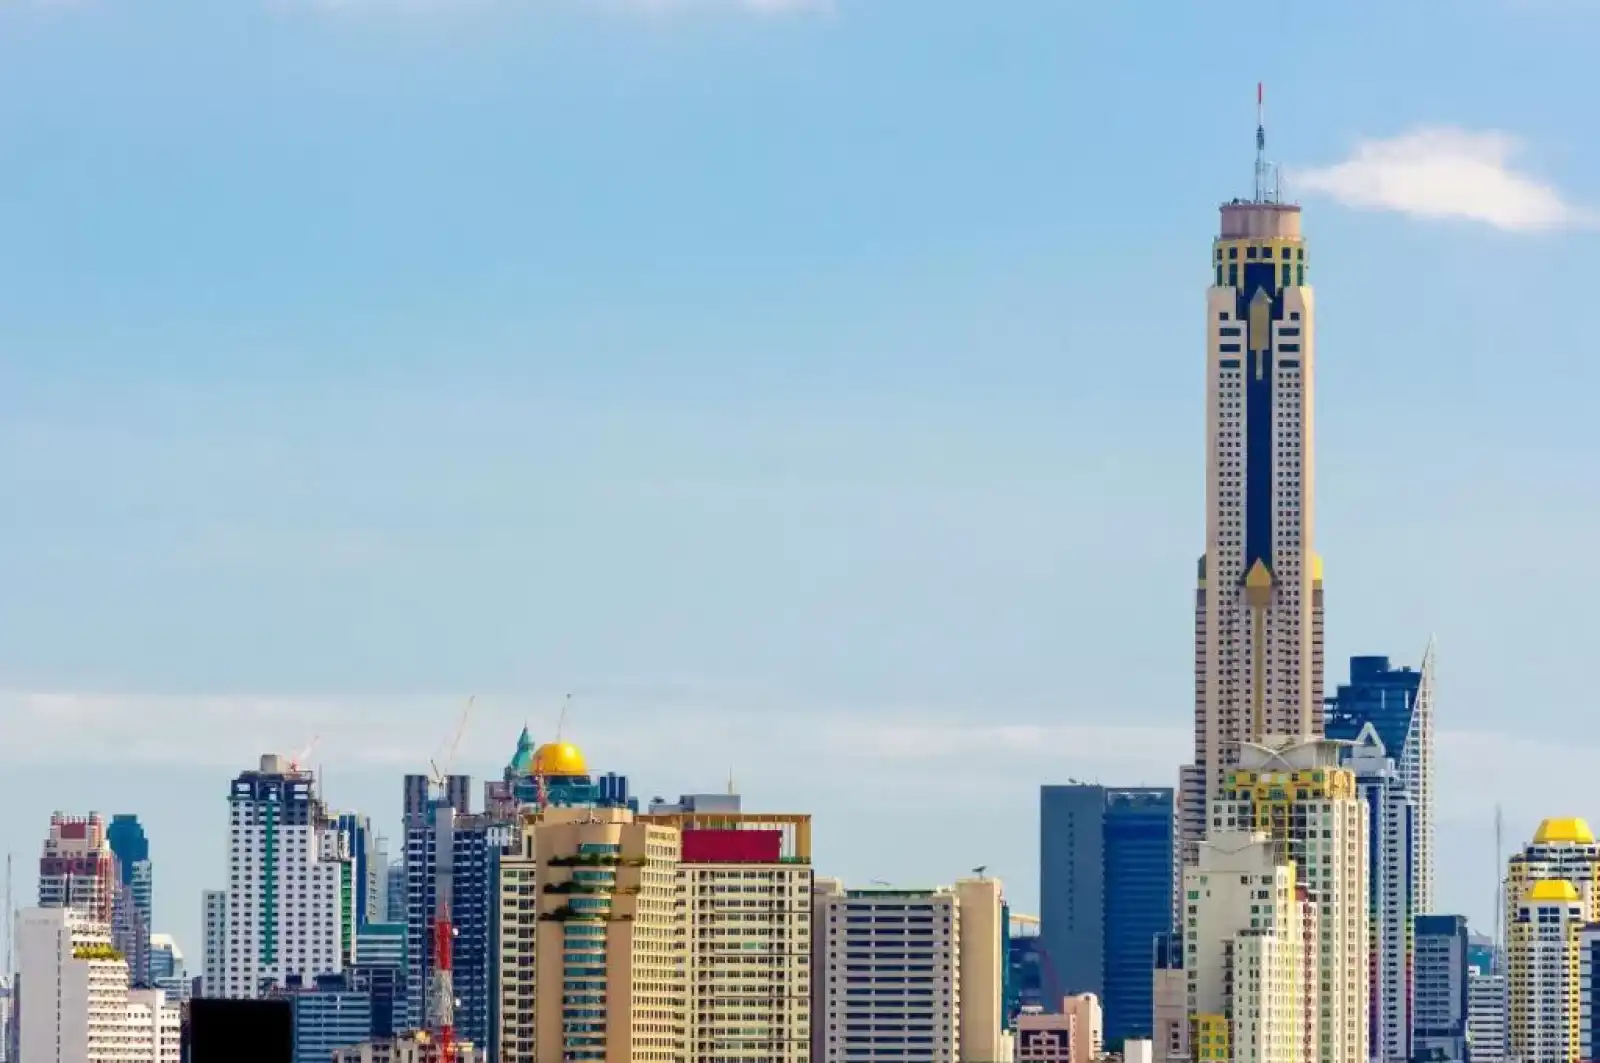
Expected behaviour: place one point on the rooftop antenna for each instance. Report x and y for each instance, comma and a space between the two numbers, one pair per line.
561, 721
1499, 894
731, 790
7, 974
1262, 192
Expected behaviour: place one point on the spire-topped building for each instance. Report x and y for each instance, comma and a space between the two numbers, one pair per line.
1258, 603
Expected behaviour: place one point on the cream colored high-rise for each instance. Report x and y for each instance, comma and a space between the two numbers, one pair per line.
1258, 667
910, 971
592, 949
1296, 793
744, 888
1250, 953
1552, 890
1542, 962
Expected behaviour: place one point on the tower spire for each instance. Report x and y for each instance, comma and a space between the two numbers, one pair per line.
1261, 143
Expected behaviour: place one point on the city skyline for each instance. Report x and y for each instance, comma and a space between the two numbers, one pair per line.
793, 515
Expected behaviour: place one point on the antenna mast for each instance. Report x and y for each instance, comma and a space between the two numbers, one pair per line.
7, 974
1500, 894
1263, 192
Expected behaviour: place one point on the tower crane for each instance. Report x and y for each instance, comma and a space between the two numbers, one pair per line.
442, 992
305, 754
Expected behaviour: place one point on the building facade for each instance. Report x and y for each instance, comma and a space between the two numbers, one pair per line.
1398, 704
1105, 895
1486, 1015
77, 868
136, 878
1440, 1009
283, 913
1542, 979
77, 1003
1299, 794
330, 1013
903, 973
1391, 881
1258, 600
1250, 953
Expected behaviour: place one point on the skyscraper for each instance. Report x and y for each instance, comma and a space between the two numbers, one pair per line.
1391, 892
1439, 1007
1297, 793
136, 878
77, 868
1398, 703
1542, 936
1105, 889
284, 909
1258, 600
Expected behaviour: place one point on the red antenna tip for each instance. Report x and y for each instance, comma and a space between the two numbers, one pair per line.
1259, 92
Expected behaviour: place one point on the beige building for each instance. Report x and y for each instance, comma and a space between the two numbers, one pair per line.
910, 970
679, 934
1075, 1035
1295, 792
1551, 894
416, 1046
1250, 953
744, 886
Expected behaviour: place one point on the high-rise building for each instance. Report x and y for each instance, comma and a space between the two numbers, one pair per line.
167, 970
1071, 1035
394, 892
1542, 985
1563, 850
1170, 1042
907, 973
78, 1006
283, 913
1105, 894
1251, 953
1589, 992
1025, 976
329, 1013
1391, 882
1486, 1015
1259, 598
1398, 704
1439, 1006
366, 873
214, 969
593, 955
1298, 793
744, 882
136, 891
77, 868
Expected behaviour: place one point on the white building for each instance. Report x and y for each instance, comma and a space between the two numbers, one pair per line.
215, 964
77, 1007
1391, 892
1299, 794
1258, 599
1250, 952
901, 971
284, 910
1542, 960
1486, 1016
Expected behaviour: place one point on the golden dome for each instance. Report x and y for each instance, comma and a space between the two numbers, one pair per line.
1573, 831
1552, 889
558, 758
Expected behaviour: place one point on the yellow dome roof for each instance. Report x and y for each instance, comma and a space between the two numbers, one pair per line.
1572, 830
1552, 889
559, 758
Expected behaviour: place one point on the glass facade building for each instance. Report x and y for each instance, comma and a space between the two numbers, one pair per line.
1105, 888
1439, 1017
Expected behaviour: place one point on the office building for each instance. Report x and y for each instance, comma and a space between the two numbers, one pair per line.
1542, 983
1398, 704
365, 873
1170, 994
1072, 1035
744, 880
593, 955
1589, 992
1105, 894
1025, 976
1391, 882
909, 973
1487, 1032
136, 892
214, 963
329, 1013
1258, 597
1483, 954
1251, 953
1439, 1005
167, 970
394, 905
77, 868
1299, 794
77, 1005
283, 913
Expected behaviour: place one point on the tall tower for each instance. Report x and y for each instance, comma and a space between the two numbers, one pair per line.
1258, 602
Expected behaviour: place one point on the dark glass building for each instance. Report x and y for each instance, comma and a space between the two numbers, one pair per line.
1439, 1012
1105, 889
135, 893
1384, 695
1024, 977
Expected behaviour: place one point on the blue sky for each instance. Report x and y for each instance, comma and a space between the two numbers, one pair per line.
815, 393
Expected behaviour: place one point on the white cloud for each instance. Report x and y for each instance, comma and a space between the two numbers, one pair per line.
1445, 173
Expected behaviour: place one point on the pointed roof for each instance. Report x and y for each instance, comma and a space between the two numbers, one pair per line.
522, 761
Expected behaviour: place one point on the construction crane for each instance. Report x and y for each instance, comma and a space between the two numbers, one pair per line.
442, 991
304, 754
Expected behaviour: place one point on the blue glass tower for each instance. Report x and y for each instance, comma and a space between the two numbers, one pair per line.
136, 887
1105, 888
1439, 1021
